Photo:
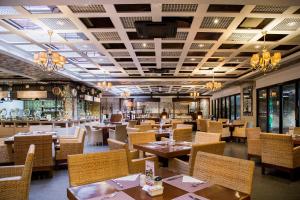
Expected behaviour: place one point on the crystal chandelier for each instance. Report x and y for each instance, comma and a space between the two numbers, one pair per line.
125, 94
49, 61
263, 61
213, 85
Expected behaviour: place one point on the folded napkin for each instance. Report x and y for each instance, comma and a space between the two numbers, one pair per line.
128, 178
189, 179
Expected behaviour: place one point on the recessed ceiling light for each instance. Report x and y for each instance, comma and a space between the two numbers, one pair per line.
192, 59
291, 23
144, 44
257, 46
61, 23
201, 45
216, 21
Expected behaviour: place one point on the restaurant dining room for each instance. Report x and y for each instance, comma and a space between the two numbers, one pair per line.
149, 100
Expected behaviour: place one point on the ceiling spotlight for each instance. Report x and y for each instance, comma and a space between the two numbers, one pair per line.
193, 59
144, 44
257, 46
61, 23
216, 21
201, 45
291, 23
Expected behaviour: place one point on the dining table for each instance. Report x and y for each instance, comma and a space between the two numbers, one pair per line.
163, 126
10, 140
232, 127
174, 188
164, 149
105, 130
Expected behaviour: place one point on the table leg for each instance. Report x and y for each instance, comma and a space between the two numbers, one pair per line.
105, 135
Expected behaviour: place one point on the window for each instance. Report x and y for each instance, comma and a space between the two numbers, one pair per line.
232, 108
228, 107
274, 109
238, 106
288, 107
278, 107
262, 110
223, 108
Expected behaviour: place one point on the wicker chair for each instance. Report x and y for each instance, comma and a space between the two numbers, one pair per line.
143, 128
120, 133
296, 131
182, 167
240, 132
148, 122
135, 164
217, 127
204, 137
132, 130
184, 126
73, 136
277, 151
202, 125
7, 132
131, 123
222, 120
6, 153
94, 136
175, 122
138, 138
253, 142
15, 180
115, 118
43, 160
70, 146
41, 128
183, 134
94, 167
233, 173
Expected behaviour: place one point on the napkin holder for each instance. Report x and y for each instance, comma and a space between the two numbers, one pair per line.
154, 190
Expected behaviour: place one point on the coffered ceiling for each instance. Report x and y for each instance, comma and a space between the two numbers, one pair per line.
100, 40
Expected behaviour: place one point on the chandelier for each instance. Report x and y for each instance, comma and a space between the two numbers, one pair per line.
263, 61
195, 94
213, 85
49, 61
125, 94
105, 85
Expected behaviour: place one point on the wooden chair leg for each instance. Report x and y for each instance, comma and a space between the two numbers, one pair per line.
292, 175
249, 157
263, 170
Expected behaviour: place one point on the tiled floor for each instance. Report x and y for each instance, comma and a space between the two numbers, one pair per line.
275, 186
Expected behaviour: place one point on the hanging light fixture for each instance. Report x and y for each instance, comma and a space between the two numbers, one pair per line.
195, 94
213, 85
50, 61
263, 61
105, 85
125, 94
